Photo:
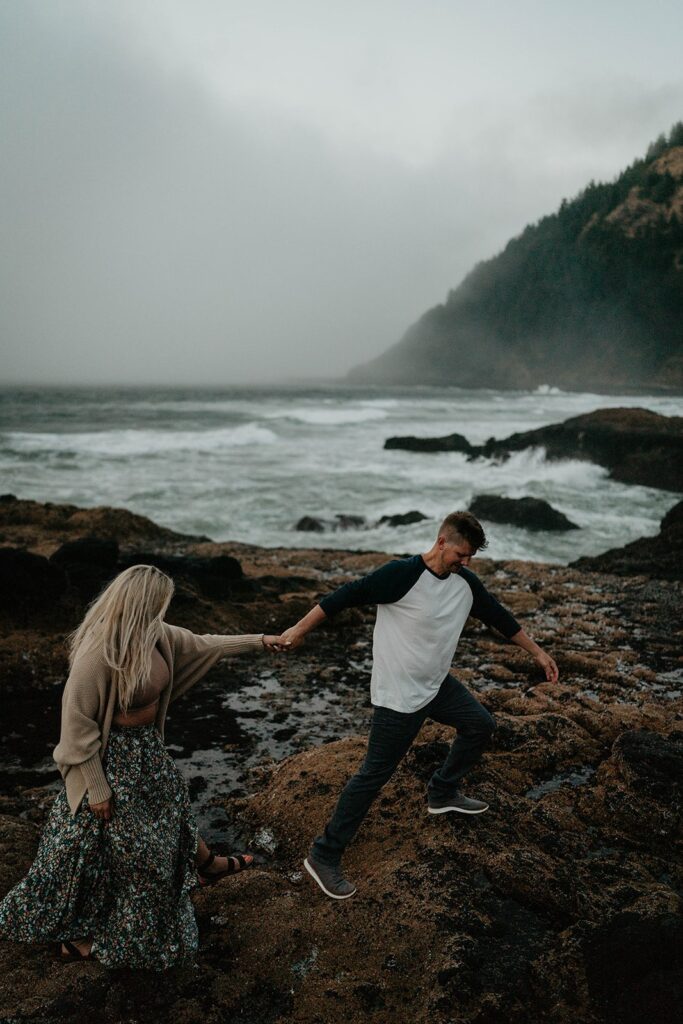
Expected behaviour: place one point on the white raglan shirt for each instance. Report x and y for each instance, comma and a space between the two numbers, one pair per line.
420, 617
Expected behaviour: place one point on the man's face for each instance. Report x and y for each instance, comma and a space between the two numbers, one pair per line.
455, 552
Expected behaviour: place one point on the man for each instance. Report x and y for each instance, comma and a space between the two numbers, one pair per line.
423, 603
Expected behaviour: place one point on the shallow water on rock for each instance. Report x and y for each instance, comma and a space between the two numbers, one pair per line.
221, 736
579, 777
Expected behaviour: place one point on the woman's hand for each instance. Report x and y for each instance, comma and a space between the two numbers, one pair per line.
274, 643
104, 810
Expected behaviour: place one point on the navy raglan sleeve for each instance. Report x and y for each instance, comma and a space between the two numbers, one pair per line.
385, 585
487, 609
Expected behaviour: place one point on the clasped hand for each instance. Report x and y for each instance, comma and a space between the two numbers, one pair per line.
275, 644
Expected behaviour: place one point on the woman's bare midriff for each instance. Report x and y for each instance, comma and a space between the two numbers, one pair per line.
137, 716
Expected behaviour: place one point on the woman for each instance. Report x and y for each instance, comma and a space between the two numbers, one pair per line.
120, 851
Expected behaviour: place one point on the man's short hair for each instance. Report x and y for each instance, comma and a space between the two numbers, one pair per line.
466, 526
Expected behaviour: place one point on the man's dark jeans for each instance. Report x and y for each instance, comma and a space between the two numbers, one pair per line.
391, 734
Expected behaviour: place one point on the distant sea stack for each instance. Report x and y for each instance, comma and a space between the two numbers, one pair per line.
589, 298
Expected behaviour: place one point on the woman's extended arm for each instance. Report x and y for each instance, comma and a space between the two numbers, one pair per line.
195, 654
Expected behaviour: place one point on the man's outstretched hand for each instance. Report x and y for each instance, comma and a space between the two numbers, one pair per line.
294, 636
291, 639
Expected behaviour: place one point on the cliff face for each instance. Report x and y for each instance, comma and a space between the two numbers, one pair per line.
590, 297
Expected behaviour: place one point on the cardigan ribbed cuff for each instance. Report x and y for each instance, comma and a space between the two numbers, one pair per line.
240, 644
95, 780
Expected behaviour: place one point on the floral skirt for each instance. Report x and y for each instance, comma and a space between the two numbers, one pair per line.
125, 883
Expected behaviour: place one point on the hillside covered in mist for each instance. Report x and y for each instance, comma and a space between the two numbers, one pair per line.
589, 297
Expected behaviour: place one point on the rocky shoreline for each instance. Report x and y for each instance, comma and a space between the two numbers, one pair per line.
560, 904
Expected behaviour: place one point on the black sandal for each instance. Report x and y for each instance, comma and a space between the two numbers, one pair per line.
73, 953
236, 862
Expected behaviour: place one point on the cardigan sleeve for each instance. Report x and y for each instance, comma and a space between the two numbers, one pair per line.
195, 654
80, 738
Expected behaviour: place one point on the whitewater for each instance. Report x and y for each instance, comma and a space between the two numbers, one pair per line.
246, 464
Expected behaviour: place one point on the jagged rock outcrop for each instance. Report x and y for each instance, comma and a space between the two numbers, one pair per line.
660, 557
637, 446
449, 443
28, 581
44, 526
315, 524
530, 513
402, 519
89, 562
341, 521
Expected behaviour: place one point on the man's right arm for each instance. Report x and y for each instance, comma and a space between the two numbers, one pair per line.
385, 585
294, 636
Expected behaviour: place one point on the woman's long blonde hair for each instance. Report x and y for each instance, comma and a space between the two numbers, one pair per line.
126, 620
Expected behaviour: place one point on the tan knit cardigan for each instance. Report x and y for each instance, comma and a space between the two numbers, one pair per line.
89, 702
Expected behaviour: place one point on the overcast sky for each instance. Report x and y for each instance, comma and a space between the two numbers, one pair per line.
203, 191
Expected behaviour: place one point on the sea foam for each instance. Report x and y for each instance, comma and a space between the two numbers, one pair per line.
128, 443
330, 417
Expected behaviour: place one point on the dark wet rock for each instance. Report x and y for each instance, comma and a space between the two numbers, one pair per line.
673, 520
345, 521
218, 576
638, 790
652, 765
530, 513
660, 557
448, 443
634, 967
288, 584
96, 551
89, 562
341, 521
28, 582
310, 524
402, 519
215, 577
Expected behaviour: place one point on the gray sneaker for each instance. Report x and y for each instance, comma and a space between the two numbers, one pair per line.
457, 802
330, 879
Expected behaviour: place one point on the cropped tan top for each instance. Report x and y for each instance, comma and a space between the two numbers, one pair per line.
89, 702
150, 691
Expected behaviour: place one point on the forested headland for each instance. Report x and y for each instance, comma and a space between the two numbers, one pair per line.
590, 297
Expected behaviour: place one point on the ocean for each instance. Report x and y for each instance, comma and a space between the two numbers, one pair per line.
246, 464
